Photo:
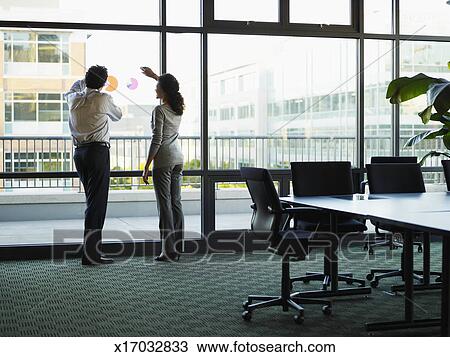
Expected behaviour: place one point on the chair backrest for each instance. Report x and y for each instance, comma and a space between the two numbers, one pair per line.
395, 178
322, 178
268, 212
393, 159
446, 165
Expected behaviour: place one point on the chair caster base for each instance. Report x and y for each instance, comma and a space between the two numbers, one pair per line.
327, 310
247, 315
299, 318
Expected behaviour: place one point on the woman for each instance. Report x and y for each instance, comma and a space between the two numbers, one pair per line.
167, 158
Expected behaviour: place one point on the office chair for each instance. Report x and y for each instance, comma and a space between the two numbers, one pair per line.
397, 178
381, 239
324, 179
289, 244
446, 165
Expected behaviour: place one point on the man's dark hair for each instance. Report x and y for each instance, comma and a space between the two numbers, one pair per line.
96, 77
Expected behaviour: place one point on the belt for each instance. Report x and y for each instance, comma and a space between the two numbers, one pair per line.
93, 143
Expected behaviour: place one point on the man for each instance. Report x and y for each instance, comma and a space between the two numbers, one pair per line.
90, 111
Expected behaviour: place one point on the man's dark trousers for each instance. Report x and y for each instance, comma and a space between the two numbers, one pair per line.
93, 167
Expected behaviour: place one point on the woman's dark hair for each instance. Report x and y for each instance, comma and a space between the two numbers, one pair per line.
171, 87
96, 77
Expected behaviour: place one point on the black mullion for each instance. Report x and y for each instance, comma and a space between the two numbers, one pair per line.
79, 26
284, 13
360, 162
396, 60
163, 38
207, 191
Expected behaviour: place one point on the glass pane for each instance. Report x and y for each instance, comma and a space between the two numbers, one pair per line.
246, 10
187, 71
65, 112
49, 112
183, 12
144, 12
336, 12
377, 110
7, 52
429, 17
49, 53
24, 111
49, 96
24, 36
8, 112
232, 206
48, 37
430, 58
270, 107
24, 52
134, 93
24, 96
378, 16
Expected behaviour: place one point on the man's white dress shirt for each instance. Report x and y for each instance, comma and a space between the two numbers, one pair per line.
90, 111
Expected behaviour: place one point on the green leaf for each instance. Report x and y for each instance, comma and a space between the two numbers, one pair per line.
446, 140
429, 134
439, 96
426, 114
433, 154
443, 118
405, 88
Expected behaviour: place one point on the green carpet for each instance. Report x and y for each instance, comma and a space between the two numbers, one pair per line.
199, 296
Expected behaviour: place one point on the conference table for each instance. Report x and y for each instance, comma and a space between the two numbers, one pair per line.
412, 212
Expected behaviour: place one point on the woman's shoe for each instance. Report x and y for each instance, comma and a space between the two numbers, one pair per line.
169, 257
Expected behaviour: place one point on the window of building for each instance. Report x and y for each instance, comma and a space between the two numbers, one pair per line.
41, 107
183, 12
377, 110
23, 46
246, 111
141, 12
248, 10
329, 12
420, 17
378, 16
431, 58
287, 80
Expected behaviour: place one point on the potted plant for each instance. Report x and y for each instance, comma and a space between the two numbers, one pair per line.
438, 107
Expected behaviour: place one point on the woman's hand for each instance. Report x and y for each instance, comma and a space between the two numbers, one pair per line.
147, 71
145, 175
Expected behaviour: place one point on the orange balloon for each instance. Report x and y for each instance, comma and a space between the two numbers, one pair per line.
112, 84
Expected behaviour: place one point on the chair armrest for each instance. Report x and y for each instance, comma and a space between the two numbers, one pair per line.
362, 186
294, 210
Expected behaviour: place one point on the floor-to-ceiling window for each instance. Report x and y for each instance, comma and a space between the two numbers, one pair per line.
266, 82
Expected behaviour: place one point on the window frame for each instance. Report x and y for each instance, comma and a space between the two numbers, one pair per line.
284, 23
282, 28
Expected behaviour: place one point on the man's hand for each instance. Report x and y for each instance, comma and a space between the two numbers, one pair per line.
147, 71
145, 175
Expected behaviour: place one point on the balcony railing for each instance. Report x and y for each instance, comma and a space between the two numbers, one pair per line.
27, 154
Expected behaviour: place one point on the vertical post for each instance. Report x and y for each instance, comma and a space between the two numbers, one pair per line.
426, 258
408, 275
284, 13
333, 259
396, 66
445, 297
163, 40
207, 192
360, 162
